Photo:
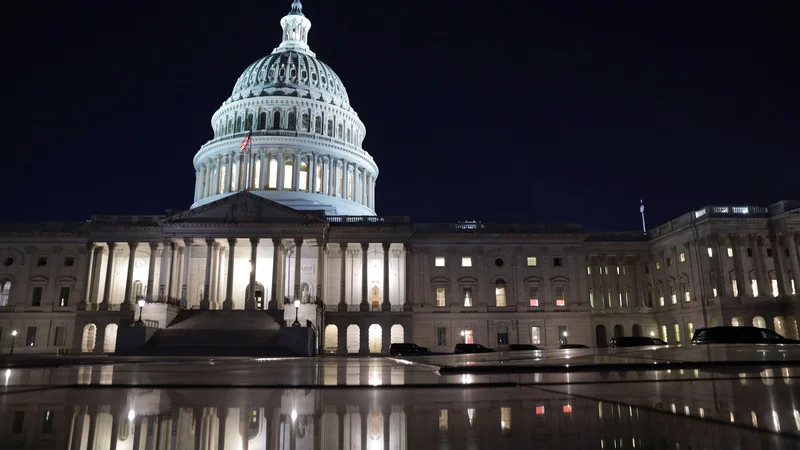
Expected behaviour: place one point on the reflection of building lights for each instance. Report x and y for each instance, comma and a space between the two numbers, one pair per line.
466, 379
8, 375
294, 415
131, 415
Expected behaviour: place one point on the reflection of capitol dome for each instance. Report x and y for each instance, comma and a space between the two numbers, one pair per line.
306, 148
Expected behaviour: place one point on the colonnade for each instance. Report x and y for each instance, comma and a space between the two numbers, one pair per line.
285, 170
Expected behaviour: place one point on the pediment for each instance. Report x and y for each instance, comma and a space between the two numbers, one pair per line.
244, 207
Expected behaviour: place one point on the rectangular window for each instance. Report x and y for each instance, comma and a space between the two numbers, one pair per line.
17, 422
536, 335
36, 299
669, 262
683, 257
660, 297
467, 297
41, 261
439, 261
443, 425
734, 287
467, 336
730, 252
672, 295
658, 265
561, 296
440, 298
466, 261
605, 269
794, 287
557, 262
562, 335
664, 336
531, 261
646, 269
591, 297
502, 335
677, 333
754, 287
441, 336
60, 335
69, 261
500, 294
749, 252
539, 410
690, 329
627, 295
30, 338
47, 425
588, 270
618, 270
533, 295
769, 253
775, 291
686, 295
63, 297
710, 252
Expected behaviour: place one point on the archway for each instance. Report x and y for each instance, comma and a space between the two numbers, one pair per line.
5, 292
331, 339
780, 325
618, 331
601, 336
110, 338
759, 322
375, 339
353, 339
396, 334
791, 327
260, 295
636, 330
88, 339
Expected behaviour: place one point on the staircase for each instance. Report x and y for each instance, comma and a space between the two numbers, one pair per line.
217, 333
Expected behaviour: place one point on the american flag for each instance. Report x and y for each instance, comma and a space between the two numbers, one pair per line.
247, 141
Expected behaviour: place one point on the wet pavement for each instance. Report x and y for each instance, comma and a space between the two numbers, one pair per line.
641, 398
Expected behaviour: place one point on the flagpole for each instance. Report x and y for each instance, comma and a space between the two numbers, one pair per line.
641, 210
252, 167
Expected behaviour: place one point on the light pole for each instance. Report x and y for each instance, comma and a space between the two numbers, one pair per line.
139, 322
296, 312
13, 339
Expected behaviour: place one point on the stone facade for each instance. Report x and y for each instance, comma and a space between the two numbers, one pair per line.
71, 285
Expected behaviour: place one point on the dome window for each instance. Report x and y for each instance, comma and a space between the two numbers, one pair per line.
318, 125
283, 72
292, 120
305, 122
323, 79
304, 75
276, 120
262, 120
314, 77
292, 73
272, 73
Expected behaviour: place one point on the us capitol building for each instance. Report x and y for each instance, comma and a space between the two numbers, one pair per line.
284, 210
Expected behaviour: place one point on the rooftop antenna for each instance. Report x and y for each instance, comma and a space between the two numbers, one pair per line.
641, 210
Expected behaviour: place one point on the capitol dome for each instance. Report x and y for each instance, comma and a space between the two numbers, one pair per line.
289, 134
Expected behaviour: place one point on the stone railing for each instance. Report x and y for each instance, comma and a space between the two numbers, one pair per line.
128, 219
369, 220
709, 212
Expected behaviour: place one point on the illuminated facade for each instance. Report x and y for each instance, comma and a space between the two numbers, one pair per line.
291, 217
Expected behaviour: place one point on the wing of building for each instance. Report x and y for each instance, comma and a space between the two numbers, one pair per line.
282, 230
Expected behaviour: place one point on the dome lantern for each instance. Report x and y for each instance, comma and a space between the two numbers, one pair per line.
295, 30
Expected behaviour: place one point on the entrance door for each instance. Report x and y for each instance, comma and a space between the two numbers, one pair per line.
259, 298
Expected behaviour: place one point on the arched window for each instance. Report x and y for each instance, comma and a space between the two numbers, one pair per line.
276, 120
110, 338
238, 124
304, 122
88, 339
303, 176
349, 186
248, 124
272, 182
500, 293
137, 289
262, 121
330, 128
292, 120
319, 178
257, 173
288, 173
5, 292
222, 174
349, 135
318, 125
339, 131
340, 181
229, 128
233, 177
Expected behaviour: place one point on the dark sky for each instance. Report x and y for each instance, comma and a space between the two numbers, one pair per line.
567, 111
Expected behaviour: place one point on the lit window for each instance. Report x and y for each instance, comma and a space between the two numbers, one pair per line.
442, 420
794, 288
606, 270
567, 409
440, 299
288, 174
775, 292
539, 410
466, 261
303, 176
754, 286
561, 299
439, 261
660, 297
735, 288
531, 261
589, 270
683, 257
536, 335
664, 333
686, 295
672, 295
591, 297
505, 418
730, 252
617, 270
658, 265
710, 252
677, 329
500, 293
319, 170
467, 297
714, 291
690, 329
533, 295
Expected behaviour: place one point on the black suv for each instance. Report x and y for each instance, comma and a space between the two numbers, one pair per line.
634, 341
739, 335
407, 349
472, 348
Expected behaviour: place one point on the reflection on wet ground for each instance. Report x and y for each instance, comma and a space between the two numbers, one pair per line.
385, 403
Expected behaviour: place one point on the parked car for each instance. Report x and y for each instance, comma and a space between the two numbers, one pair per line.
739, 335
634, 341
572, 346
521, 347
472, 348
407, 349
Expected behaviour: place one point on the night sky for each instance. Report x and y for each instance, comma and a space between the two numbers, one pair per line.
494, 111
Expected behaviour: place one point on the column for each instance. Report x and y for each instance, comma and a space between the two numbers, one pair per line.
408, 256
229, 174
228, 303
320, 269
171, 270
197, 183
343, 277
212, 297
364, 279
312, 173
109, 274
791, 241
273, 295
176, 283
738, 267
281, 168
250, 302
345, 179
205, 304
187, 257
127, 301
296, 177
386, 305
218, 295
298, 246
151, 271
363, 177
263, 179
777, 261
90, 256
163, 274
95, 281
758, 261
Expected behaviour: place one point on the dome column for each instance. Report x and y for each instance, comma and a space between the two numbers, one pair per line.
281, 170
296, 177
229, 174
312, 173
109, 275
345, 178
262, 179
363, 176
